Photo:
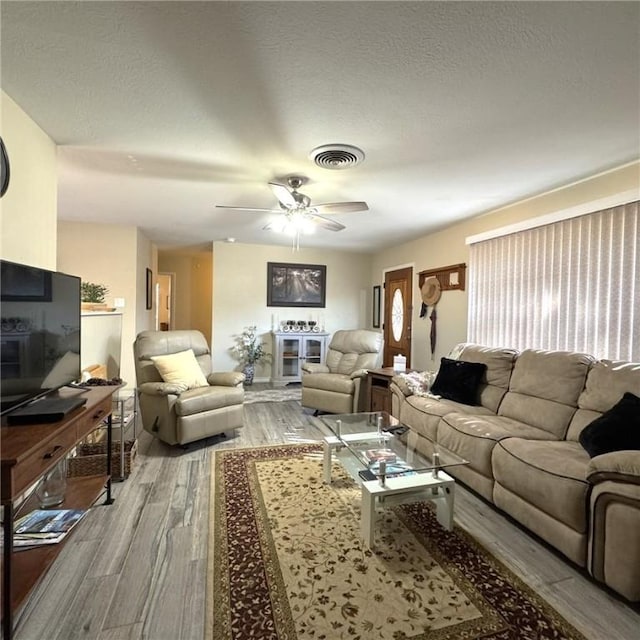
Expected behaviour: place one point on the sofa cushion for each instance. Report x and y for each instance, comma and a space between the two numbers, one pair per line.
499, 363
181, 368
474, 436
196, 401
549, 475
544, 389
350, 350
607, 381
615, 430
336, 382
459, 380
424, 413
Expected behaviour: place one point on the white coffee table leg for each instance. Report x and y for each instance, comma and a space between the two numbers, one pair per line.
326, 465
367, 519
444, 506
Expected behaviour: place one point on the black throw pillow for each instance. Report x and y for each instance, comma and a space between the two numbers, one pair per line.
616, 430
459, 380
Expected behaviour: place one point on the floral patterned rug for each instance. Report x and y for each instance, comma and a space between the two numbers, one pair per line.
287, 563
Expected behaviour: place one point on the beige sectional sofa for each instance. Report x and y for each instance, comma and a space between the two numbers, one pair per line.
525, 456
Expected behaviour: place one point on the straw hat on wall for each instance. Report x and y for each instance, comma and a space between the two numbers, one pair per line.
431, 291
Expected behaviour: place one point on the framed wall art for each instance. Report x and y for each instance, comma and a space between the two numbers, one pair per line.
149, 289
296, 285
376, 307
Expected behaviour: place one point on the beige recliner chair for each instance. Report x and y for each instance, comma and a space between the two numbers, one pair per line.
338, 386
196, 403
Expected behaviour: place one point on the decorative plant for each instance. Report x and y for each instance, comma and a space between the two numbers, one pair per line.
249, 348
91, 292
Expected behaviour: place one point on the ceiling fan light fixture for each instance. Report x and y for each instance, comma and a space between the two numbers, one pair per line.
337, 156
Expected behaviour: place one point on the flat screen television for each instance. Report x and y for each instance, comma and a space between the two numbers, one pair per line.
39, 333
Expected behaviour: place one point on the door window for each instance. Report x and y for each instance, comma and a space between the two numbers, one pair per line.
397, 315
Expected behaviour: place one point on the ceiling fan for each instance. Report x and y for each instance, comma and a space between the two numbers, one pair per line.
298, 215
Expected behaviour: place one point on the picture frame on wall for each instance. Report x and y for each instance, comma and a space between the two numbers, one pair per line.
376, 307
296, 285
149, 289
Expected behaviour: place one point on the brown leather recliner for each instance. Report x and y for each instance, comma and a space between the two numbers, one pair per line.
173, 413
338, 385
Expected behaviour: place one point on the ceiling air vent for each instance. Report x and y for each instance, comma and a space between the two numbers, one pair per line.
337, 156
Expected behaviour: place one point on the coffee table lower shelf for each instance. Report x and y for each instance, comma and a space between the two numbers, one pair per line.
436, 486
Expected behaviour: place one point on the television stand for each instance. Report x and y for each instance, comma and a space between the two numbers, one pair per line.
27, 454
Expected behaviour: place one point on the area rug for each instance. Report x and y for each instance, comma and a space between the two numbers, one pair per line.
286, 563
272, 395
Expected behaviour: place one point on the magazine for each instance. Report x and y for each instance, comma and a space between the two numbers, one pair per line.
392, 468
44, 526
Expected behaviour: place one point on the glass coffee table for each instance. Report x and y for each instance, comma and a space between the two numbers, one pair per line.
373, 448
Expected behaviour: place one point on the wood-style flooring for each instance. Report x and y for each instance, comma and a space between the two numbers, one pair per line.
137, 569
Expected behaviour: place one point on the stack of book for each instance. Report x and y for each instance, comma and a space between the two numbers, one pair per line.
393, 465
44, 526
377, 455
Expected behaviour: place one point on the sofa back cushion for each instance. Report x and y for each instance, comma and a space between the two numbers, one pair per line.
350, 350
607, 382
161, 343
544, 389
495, 382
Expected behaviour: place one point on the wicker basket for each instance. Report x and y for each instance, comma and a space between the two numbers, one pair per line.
91, 459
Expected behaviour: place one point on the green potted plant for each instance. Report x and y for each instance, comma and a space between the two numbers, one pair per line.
93, 295
250, 350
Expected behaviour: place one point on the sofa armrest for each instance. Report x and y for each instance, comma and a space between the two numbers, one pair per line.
359, 373
620, 466
226, 378
162, 388
312, 367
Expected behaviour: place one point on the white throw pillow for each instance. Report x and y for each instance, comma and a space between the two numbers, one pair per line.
181, 368
419, 382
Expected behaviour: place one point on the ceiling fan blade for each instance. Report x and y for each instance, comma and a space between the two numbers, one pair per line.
283, 194
222, 206
325, 223
340, 207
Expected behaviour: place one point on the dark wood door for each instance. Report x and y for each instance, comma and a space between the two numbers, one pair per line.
398, 308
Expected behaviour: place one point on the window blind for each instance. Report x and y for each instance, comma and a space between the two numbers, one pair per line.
571, 285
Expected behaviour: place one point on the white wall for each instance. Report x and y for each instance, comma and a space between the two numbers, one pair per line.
28, 209
240, 294
448, 247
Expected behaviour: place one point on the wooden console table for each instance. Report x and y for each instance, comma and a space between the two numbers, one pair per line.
28, 452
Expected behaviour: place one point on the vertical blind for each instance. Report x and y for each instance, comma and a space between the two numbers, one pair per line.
571, 285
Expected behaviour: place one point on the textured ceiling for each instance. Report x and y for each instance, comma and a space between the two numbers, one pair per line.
162, 110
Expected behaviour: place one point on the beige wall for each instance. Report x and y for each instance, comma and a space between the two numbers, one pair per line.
191, 304
109, 255
240, 294
146, 257
28, 209
201, 288
448, 247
